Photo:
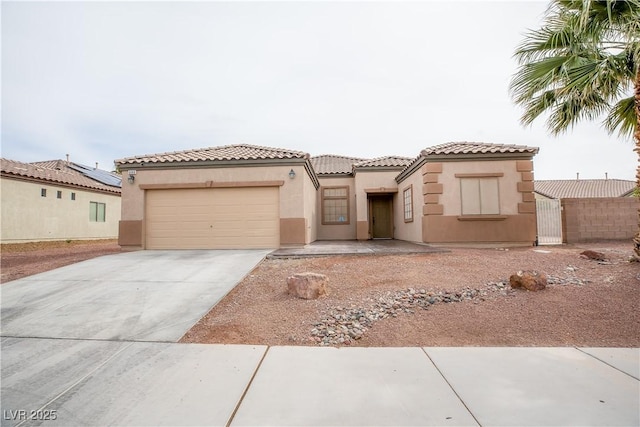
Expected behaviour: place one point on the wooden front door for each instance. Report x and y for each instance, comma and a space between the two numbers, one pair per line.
381, 217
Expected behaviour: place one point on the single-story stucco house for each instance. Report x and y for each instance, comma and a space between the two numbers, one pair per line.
246, 196
57, 200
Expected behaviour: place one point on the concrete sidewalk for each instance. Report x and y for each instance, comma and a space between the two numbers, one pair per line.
96, 383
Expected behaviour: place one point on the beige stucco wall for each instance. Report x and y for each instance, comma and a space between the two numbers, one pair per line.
291, 205
375, 180
370, 180
410, 231
310, 212
26, 216
507, 184
337, 231
443, 222
297, 196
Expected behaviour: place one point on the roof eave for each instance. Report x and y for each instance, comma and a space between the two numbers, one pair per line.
409, 170
198, 164
335, 175
377, 169
478, 156
111, 190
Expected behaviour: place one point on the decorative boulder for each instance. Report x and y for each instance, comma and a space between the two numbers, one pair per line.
598, 256
307, 285
530, 280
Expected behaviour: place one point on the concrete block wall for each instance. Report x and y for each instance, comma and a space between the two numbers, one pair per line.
614, 218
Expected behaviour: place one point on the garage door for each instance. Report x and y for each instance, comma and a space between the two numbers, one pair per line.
213, 218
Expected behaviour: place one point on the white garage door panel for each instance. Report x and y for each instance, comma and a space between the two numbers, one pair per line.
213, 218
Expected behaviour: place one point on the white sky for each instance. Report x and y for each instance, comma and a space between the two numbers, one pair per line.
102, 81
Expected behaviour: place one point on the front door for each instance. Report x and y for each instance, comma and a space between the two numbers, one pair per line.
381, 217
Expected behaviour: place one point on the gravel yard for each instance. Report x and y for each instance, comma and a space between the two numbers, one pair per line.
461, 298
25, 259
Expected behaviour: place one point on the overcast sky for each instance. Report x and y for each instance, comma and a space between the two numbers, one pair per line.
102, 81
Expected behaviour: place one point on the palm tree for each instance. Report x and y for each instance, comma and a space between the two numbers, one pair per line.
583, 64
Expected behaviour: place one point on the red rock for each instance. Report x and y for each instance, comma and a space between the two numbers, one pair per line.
598, 256
307, 285
530, 280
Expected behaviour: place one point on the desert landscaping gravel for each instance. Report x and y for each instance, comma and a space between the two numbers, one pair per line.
19, 260
460, 298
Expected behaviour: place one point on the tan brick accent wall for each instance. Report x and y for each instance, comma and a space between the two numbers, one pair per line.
432, 168
524, 165
526, 176
430, 178
432, 189
586, 220
525, 187
431, 198
432, 209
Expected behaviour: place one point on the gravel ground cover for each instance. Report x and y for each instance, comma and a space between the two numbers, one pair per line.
461, 298
19, 260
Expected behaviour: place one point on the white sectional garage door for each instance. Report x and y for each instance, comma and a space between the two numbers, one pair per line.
213, 218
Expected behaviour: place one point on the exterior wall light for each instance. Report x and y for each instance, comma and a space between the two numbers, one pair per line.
131, 179
292, 174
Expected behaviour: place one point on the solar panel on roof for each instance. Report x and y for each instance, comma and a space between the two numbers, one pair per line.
99, 175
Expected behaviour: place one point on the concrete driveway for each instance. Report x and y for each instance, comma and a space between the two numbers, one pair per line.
134, 296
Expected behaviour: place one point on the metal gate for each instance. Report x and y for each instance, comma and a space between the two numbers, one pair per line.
549, 214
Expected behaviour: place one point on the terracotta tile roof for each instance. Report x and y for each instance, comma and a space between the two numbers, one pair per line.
584, 188
57, 171
327, 164
386, 161
464, 151
226, 152
452, 148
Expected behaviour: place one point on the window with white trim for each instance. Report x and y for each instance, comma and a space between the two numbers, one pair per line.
480, 196
407, 198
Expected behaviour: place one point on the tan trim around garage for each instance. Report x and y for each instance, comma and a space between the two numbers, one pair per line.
293, 231
211, 184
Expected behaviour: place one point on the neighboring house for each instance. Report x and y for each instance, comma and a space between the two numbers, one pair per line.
57, 200
583, 188
246, 196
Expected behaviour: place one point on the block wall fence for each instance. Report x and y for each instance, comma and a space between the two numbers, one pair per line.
585, 220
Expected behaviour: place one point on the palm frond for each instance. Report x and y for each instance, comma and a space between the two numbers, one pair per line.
579, 63
622, 118
566, 114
